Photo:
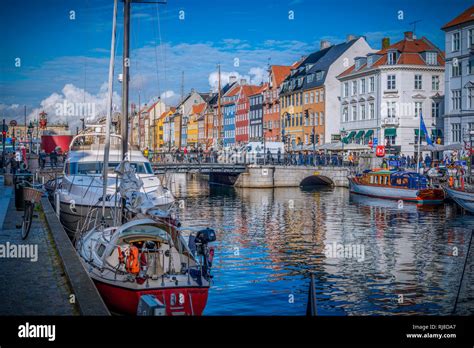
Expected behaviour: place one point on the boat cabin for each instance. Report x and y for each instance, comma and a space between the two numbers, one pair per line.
396, 179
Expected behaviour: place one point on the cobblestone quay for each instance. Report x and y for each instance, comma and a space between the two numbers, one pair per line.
26, 287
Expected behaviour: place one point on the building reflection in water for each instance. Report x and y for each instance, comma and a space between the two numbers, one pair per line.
270, 239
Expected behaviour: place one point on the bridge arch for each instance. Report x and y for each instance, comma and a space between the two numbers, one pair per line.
314, 180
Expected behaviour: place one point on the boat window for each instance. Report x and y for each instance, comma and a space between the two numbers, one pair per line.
95, 168
147, 230
100, 250
371, 179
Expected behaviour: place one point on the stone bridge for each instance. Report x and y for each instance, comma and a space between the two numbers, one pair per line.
292, 176
259, 176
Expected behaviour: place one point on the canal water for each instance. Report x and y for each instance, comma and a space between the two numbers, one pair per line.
369, 256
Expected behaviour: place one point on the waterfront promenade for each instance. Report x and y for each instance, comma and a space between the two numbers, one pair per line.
26, 287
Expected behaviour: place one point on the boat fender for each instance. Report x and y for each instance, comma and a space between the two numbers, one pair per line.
451, 181
132, 260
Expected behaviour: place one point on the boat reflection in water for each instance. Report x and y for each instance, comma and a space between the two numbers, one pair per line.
269, 240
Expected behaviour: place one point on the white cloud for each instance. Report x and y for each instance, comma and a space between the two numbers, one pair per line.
73, 103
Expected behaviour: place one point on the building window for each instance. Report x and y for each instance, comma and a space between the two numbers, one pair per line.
391, 82
456, 132
345, 114
372, 111
354, 113
431, 58
311, 98
418, 109
470, 67
456, 99
362, 86
470, 97
371, 84
456, 69
456, 43
316, 118
321, 118
346, 89
435, 109
322, 96
470, 38
391, 109
306, 98
418, 82
435, 83
362, 111
390, 139
354, 87
391, 58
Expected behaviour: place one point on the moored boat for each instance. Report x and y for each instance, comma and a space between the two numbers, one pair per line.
399, 185
463, 197
146, 257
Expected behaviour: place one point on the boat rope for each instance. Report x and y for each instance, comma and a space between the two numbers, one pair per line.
462, 274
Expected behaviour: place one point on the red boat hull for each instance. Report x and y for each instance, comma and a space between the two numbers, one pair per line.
125, 301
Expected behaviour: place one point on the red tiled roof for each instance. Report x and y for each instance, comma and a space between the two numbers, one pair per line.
197, 109
280, 72
464, 17
410, 54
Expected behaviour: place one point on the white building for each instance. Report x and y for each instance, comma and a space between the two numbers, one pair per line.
459, 77
384, 93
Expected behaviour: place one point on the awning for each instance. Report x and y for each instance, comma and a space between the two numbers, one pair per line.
359, 135
345, 140
368, 134
435, 133
390, 132
422, 133
351, 135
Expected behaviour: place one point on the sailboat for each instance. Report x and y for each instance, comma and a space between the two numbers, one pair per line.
144, 252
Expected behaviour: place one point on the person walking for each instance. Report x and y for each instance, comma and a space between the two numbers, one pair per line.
278, 156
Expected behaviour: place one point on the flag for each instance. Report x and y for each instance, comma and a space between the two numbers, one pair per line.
424, 130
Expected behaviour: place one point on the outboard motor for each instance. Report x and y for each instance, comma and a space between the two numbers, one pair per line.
203, 237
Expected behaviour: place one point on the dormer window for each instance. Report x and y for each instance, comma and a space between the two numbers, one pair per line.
431, 58
319, 75
357, 64
310, 77
391, 58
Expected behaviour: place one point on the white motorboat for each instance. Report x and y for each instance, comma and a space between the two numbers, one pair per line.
80, 190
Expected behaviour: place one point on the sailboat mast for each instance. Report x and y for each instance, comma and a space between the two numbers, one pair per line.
108, 120
219, 105
126, 78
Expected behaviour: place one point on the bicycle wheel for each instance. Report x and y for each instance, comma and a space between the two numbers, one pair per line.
27, 220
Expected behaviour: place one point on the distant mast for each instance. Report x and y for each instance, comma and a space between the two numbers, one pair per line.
219, 103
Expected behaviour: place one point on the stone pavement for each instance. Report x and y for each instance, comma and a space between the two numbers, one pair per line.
30, 288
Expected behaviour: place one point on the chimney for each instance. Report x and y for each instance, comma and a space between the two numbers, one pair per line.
232, 79
385, 42
350, 37
324, 44
243, 82
408, 35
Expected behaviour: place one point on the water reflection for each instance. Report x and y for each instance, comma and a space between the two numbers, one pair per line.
269, 239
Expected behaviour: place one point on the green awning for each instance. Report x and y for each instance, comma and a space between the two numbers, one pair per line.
359, 135
390, 132
422, 133
345, 140
369, 134
351, 135
437, 133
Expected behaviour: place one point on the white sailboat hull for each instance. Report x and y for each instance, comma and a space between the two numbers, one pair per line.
463, 198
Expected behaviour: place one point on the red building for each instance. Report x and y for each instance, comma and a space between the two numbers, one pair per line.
271, 106
242, 113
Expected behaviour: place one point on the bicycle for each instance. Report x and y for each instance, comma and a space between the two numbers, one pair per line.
31, 197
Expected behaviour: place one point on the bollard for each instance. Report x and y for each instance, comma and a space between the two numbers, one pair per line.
57, 203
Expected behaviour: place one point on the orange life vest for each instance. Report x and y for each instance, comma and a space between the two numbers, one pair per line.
132, 261
451, 181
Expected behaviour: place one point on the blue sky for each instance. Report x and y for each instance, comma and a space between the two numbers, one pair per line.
68, 59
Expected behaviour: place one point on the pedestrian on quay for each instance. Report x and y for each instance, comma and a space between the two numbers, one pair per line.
54, 158
13, 163
42, 159
428, 161
278, 156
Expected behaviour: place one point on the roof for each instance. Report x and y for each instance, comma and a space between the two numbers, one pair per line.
280, 72
259, 89
410, 53
198, 108
213, 99
317, 62
465, 17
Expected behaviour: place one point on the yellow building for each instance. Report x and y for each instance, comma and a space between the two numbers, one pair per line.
177, 130
159, 126
193, 124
